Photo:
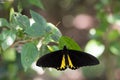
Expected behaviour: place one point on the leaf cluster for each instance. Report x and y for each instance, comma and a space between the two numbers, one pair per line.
34, 35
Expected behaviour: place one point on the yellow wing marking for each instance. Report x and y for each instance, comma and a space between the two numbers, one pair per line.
63, 64
70, 63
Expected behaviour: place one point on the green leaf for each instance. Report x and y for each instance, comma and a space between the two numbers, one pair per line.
38, 19
22, 20
9, 54
11, 14
7, 38
3, 22
19, 21
102, 16
38, 28
94, 47
37, 3
115, 48
70, 43
35, 30
53, 33
113, 35
28, 55
53, 48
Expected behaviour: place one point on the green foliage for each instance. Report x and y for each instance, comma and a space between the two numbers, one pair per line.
28, 55
115, 48
38, 28
38, 19
7, 38
3, 22
53, 33
39, 34
35, 30
21, 20
19, 30
105, 40
71, 44
18, 21
9, 55
113, 35
37, 3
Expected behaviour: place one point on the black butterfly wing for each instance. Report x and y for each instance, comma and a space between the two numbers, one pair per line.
53, 60
80, 59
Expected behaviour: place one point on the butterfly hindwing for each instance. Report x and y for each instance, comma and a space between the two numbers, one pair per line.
70, 62
54, 59
63, 65
80, 59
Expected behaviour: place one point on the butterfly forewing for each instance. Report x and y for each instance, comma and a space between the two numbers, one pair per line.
62, 59
52, 59
80, 59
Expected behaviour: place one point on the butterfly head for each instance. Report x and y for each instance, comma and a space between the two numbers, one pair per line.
64, 48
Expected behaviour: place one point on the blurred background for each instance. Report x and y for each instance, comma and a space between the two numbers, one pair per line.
93, 24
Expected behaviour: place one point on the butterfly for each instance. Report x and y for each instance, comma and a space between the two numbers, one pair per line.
67, 58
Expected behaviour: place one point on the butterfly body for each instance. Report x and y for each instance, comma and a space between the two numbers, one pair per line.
66, 58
